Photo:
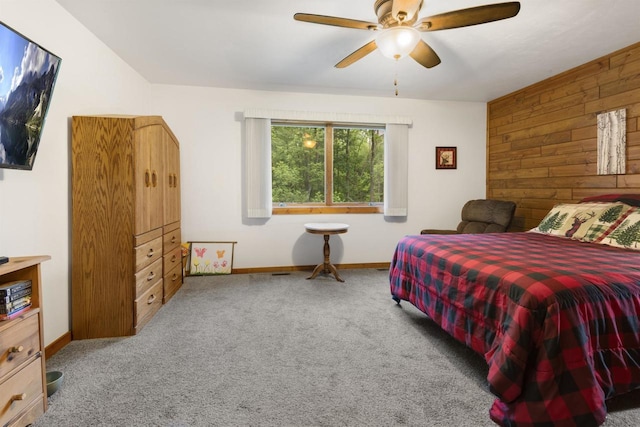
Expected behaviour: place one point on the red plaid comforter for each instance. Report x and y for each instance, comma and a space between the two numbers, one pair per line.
557, 320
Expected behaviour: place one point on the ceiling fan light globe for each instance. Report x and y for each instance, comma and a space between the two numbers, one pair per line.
397, 42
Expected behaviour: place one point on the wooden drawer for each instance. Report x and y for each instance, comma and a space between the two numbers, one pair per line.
30, 415
18, 342
147, 277
171, 283
147, 304
172, 259
171, 238
147, 253
19, 391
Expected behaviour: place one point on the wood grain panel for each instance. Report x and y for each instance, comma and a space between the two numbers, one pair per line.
103, 187
573, 101
542, 119
620, 100
537, 141
542, 139
578, 88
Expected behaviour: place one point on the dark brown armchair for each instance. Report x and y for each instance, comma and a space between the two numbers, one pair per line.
482, 216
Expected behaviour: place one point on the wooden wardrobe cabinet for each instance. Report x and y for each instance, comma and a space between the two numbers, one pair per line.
125, 222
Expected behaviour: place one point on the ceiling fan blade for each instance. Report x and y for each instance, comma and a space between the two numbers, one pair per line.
470, 16
335, 21
358, 54
424, 55
408, 7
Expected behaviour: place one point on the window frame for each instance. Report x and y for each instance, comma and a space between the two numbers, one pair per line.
328, 207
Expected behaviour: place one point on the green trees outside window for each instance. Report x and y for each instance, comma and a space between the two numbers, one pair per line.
327, 165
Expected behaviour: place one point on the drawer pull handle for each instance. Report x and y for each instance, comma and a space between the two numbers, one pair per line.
154, 179
173, 258
173, 239
150, 253
175, 276
151, 276
151, 299
147, 178
22, 396
17, 349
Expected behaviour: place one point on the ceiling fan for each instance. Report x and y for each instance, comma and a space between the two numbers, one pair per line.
399, 27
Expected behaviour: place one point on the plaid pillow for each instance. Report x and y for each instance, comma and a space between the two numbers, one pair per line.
588, 222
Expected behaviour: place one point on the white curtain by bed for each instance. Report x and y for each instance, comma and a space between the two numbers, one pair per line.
396, 161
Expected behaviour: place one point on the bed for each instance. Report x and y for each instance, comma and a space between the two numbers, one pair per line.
554, 312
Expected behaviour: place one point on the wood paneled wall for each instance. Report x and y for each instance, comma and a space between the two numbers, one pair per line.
541, 140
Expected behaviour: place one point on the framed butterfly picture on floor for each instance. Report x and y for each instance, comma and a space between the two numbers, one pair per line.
209, 258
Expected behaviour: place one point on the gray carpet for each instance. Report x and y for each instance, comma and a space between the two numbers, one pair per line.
279, 350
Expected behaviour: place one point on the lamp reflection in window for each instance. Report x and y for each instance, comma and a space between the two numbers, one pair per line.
308, 142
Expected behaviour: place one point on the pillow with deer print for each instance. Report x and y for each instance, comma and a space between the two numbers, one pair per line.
588, 222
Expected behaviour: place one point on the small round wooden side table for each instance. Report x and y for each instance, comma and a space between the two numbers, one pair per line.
326, 229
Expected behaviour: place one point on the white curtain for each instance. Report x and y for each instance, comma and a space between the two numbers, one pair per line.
396, 160
257, 168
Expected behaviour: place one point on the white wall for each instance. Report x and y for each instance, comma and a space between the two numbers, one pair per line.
35, 205
208, 123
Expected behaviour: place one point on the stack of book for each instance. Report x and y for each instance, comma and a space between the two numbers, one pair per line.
15, 297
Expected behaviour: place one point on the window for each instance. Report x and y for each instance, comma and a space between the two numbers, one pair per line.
327, 168
258, 170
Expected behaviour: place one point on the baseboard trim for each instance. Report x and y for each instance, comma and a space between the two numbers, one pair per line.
57, 345
383, 265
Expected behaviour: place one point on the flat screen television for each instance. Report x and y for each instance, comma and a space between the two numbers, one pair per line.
27, 76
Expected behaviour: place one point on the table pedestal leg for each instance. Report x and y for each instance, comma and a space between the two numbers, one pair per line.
326, 267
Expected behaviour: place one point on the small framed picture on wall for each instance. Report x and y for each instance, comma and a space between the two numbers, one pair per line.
446, 157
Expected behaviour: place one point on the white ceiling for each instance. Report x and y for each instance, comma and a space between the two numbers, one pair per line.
256, 44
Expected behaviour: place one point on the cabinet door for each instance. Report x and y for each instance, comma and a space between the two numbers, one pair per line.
172, 180
149, 170
159, 170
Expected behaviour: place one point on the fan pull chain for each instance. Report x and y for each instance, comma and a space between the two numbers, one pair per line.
395, 78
